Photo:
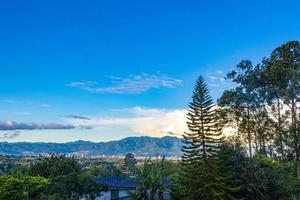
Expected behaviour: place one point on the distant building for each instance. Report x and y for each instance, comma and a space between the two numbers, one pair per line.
118, 188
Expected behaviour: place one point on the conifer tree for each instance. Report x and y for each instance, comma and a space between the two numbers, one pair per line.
130, 164
200, 177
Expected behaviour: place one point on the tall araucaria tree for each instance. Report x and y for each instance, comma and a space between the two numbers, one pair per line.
200, 176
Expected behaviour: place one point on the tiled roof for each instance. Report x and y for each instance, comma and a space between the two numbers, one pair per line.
121, 182
117, 182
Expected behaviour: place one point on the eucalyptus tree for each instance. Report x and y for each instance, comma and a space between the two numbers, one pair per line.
283, 70
273, 80
242, 101
263, 128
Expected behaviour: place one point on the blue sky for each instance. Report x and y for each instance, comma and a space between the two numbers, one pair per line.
108, 69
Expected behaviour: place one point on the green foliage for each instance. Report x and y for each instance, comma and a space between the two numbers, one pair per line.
55, 165
265, 104
74, 186
201, 175
105, 170
68, 181
19, 188
260, 177
130, 164
265, 109
150, 179
244, 106
36, 186
11, 188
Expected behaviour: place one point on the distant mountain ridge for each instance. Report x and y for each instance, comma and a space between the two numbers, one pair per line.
140, 146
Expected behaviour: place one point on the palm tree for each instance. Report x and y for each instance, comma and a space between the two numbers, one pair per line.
150, 179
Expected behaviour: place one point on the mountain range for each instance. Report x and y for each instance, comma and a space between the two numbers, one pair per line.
140, 146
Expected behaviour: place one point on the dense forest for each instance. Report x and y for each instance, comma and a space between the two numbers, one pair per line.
261, 161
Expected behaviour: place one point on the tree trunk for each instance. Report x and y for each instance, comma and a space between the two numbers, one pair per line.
248, 131
256, 141
295, 135
264, 145
260, 148
279, 129
295, 138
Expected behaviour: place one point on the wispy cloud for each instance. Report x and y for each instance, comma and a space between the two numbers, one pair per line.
215, 76
212, 78
45, 105
144, 121
133, 84
216, 79
14, 101
219, 71
83, 85
21, 113
24, 103
76, 117
214, 85
12, 125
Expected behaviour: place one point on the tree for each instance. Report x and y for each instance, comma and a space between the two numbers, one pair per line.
273, 82
19, 188
74, 186
68, 180
151, 180
200, 176
284, 63
263, 130
54, 166
245, 75
233, 114
36, 186
130, 164
246, 107
11, 188
259, 177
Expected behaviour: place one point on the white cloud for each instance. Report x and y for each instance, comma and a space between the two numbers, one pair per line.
213, 85
212, 78
9, 125
45, 105
216, 80
82, 85
21, 113
14, 101
133, 84
24, 103
152, 122
143, 121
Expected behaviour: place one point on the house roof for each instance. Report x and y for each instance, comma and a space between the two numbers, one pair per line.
117, 182
121, 182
